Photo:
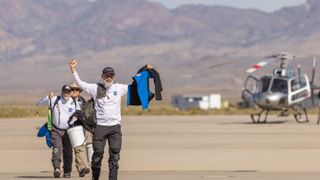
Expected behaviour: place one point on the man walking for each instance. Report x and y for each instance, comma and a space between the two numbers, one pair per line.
62, 108
80, 151
108, 115
108, 120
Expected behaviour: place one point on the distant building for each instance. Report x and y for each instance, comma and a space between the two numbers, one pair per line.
205, 102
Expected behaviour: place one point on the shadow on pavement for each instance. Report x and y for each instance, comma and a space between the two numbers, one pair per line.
34, 177
250, 123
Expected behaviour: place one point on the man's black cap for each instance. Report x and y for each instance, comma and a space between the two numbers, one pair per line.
108, 71
66, 89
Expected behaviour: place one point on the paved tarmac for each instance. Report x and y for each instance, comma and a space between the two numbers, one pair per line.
181, 148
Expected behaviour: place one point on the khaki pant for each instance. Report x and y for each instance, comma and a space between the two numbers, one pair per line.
81, 154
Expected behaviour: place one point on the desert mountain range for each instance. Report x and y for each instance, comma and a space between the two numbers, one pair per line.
39, 37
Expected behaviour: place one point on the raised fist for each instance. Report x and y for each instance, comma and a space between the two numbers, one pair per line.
73, 65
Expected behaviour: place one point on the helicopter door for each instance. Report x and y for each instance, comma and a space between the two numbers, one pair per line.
299, 89
250, 89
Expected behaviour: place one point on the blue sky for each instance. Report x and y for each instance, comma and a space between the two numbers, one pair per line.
265, 5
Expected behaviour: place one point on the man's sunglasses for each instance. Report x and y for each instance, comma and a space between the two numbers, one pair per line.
75, 89
108, 76
67, 92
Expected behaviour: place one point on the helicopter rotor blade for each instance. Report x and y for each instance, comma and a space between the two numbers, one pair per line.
221, 64
312, 80
256, 67
313, 70
272, 56
282, 55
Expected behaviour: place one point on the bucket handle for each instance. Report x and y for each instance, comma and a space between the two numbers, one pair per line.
85, 139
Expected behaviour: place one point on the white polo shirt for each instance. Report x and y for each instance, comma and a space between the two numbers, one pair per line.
62, 111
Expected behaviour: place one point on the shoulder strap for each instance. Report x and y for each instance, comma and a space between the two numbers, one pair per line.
101, 91
75, 103
56, 102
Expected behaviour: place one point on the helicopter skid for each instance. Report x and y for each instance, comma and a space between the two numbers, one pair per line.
301, 115
256, 118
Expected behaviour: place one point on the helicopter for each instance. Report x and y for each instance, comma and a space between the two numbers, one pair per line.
284, 90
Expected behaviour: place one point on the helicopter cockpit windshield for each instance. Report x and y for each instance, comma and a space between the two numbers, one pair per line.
279, 85
264, 84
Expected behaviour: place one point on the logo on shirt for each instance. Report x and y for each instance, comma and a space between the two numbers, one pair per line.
115, 93
70, 109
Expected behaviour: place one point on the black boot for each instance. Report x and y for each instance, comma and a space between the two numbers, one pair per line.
95, 173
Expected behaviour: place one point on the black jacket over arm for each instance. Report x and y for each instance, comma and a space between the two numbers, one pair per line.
157, 81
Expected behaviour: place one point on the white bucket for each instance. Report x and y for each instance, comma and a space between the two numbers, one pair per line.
89, 152
76, 136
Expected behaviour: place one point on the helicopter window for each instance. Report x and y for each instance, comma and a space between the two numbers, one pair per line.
302, 94
251, 85
279, 85
298, 83
264, 84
